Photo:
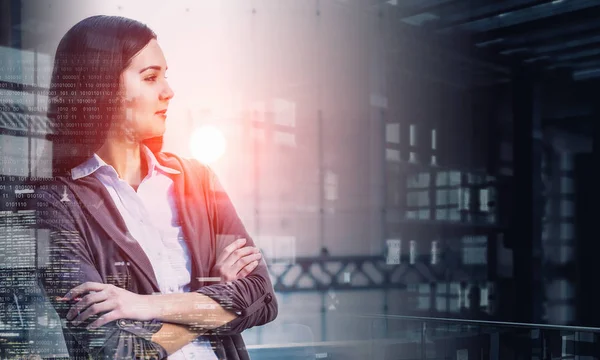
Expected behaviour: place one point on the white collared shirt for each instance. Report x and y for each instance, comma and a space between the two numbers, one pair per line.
151, 218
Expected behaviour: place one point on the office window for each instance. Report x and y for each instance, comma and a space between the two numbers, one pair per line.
413, 135
413, 143
424, 296
41, 158
418, 206
392, 139
17, 65
474, 250
441, 297
447, 196
435, 252
447, 296
392, 133
24, 151
392, 155
394, 251
13, 155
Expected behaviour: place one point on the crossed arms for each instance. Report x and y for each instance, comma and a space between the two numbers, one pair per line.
141, 326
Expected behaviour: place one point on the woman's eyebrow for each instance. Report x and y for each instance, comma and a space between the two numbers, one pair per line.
153, 67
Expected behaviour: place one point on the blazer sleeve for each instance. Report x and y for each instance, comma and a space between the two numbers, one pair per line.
252, 298
70, 263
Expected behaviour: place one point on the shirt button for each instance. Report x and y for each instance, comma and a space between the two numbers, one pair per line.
121, 323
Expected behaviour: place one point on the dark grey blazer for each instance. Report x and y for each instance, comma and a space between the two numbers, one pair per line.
89, 241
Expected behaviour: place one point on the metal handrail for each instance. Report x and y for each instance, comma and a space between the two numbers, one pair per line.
485, 322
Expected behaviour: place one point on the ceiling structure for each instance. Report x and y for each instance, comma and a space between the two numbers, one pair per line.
559, 36
473, 43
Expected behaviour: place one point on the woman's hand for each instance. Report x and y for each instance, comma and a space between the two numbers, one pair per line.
236, 261
115, 303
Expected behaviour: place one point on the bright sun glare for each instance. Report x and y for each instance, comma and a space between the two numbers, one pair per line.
207, 144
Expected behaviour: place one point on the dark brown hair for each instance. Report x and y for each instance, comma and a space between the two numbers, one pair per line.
84, 95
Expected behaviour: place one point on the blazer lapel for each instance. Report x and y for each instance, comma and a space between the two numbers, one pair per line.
97, 203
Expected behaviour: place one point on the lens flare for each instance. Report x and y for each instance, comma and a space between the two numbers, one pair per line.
207, 144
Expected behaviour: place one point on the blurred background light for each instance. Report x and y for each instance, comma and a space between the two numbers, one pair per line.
207, 144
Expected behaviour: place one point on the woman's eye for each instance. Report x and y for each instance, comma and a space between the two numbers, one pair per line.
153, 78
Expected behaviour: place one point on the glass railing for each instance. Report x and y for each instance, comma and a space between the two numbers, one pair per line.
418, 338
27, 326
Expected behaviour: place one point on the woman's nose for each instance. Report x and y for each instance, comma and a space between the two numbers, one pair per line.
167, 93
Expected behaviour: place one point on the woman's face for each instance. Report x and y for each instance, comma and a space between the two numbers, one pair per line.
146, 92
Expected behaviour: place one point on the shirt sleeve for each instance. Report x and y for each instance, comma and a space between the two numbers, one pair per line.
70, 263
252, 298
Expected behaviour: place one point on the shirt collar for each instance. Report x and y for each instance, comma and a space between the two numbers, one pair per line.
95, 162
154, 164
87, 167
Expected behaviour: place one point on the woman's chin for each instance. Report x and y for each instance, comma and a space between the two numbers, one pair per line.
157, 131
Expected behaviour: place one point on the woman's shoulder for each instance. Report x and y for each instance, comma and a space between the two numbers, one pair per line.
183, 164
192, 169
53, 186
55, 200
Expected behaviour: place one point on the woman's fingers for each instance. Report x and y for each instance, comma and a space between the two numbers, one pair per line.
94, 309
229, 249
248, 269
236, 260
111, 301
246, 260
84, 288
85, 302
239, 254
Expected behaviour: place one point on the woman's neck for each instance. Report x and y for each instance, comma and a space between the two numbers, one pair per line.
126, 158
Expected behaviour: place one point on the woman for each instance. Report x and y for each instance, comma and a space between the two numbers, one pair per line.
147, 256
